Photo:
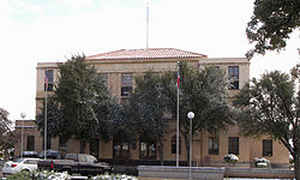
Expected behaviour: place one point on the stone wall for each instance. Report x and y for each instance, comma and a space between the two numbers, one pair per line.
208, 173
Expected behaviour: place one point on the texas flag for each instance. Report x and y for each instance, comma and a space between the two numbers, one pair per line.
178, 80
46, 83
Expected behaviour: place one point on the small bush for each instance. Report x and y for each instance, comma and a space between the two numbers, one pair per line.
231, 158
39, 175
114, 177
46, 175
261, 162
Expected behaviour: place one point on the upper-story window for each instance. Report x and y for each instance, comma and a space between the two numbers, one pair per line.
126, 86
234, 76
49, 80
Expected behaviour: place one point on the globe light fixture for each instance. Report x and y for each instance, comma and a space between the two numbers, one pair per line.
191, 115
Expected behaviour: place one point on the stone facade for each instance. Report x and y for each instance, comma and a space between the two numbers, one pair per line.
114, 67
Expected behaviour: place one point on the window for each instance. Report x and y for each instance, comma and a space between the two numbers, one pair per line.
49, 80
213, 145
82, 158
233, 145
233, 75
82, 146
30, 143
91, 159
31, 161
173, 145
71, 156
267, 147
62, 144
121, 150
126, 86
147, 150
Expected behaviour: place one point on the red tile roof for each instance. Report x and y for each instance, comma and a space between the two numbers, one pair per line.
150, 53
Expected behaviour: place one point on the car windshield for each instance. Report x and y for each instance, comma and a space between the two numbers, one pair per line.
91, 159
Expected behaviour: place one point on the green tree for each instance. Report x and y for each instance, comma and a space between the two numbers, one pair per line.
271, 24
202, 92
270, 106
146, 111
81, 104
7, 137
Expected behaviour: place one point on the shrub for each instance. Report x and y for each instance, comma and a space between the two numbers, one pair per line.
231, 158
114, 177
51, 175
39, 175
261, 162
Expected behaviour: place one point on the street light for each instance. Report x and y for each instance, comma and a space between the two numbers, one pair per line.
191, 115
177, 118
23, 115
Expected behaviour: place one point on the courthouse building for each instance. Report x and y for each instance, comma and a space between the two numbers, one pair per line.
120, 69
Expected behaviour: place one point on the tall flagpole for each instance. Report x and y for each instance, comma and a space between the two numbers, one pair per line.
45, 130
147, 23
177, 123
23, 115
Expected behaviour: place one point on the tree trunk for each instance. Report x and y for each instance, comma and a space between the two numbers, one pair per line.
297, 165
6, 155
161, 151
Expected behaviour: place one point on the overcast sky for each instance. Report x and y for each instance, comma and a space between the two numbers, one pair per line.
35, 31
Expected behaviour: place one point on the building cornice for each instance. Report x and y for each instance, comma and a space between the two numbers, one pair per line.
224, 61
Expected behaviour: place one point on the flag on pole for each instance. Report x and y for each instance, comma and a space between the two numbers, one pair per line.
178, 80
46, 82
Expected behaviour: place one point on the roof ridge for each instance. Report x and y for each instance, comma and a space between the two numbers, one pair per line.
146, 53
104, 53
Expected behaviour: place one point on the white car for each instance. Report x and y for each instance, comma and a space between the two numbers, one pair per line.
20, 165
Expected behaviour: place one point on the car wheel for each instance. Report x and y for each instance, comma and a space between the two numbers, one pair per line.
25, 171
68, 171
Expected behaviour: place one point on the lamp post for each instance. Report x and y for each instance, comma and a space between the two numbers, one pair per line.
23, 115
177, 118
191, 115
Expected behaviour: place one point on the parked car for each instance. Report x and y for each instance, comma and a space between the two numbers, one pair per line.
20, 165
51, 154
76, 163
32, 154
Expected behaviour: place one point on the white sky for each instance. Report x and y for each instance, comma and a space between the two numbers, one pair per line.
35, 31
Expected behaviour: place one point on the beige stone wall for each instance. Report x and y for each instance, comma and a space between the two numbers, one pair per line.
249, 148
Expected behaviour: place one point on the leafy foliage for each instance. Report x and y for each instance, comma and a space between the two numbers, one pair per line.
270, 106
271, 24
8, 138
81, 104
202, 92
146, 110
5, 123
154, 103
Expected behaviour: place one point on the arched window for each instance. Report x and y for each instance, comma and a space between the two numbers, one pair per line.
147, 150
173, 144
